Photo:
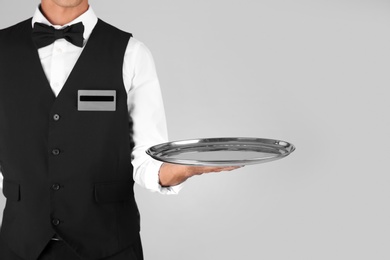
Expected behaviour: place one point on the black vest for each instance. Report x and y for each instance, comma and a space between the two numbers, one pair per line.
66, 172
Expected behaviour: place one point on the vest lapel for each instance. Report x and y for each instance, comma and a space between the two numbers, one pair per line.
32, 55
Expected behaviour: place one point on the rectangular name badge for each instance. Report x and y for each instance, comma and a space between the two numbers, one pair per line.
96, 100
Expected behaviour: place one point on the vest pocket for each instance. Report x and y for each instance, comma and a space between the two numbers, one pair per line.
11, 190
113, 192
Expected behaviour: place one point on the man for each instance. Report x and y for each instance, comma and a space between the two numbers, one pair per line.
79, 104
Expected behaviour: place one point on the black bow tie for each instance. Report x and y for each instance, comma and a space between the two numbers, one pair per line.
44, 35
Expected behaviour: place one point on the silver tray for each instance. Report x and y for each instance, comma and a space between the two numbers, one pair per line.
221, 151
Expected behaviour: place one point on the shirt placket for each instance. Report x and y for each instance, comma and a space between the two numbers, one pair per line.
58, 68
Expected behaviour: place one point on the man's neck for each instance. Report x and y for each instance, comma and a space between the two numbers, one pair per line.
58, 15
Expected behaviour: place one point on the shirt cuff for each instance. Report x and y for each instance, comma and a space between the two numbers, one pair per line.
152, 180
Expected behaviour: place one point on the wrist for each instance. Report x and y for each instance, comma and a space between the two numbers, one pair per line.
173, 174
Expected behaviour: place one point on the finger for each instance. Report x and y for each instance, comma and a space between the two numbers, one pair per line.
230, 168
221, 168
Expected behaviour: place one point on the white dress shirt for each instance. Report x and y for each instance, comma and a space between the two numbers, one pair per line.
142, 86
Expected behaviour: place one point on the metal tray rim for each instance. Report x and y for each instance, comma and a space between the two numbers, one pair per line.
157, 151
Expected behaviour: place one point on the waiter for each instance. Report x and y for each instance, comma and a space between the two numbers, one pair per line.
79, 104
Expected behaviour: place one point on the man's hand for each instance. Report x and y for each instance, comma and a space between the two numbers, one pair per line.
173, 174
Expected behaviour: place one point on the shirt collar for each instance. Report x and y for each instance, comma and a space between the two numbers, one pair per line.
89, 20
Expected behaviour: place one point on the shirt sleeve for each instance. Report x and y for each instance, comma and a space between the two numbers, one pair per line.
146, 110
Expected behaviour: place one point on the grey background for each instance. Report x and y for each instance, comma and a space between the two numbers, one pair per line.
315, 73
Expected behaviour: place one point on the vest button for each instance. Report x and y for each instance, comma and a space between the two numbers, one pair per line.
55, 221
55, 186
55, 152
56, 117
